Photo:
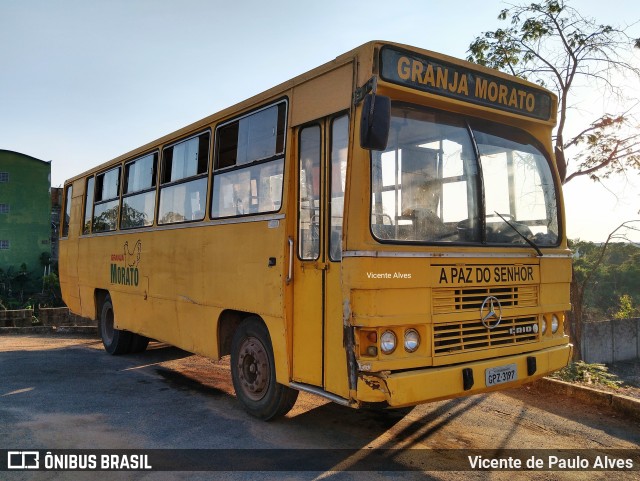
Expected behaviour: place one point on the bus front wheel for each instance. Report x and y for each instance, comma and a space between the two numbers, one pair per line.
253, 372
115, 341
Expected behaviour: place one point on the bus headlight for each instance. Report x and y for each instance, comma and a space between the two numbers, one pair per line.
544, 325
388, 342
555, 323
411, 340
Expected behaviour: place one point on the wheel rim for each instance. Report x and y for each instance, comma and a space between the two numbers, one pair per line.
253, 368
107, 326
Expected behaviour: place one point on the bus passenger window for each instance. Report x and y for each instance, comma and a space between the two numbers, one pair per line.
252, 190
139, 197
105, 208
183, 202
184, 180
249, 168
255, 137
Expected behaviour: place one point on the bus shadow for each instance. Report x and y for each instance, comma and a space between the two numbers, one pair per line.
156, 353
389, 440
417, 431
322, 422
183, 382
182, 370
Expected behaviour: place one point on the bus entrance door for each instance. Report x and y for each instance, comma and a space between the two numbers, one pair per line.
310, 262
317, 305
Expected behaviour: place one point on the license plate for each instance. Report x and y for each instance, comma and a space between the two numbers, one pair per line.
499, 375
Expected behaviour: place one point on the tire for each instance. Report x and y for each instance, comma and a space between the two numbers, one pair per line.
115, 341
138, 343
254, 375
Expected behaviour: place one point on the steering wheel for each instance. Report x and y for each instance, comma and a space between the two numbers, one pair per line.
500, 216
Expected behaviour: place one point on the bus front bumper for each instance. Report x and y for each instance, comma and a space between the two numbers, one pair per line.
408, 388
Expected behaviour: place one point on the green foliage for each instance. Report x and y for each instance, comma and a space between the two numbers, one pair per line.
45, 259
23, 289
625, 308
613, 287
551, 42
51, 282
583, 372
554, 45
51, 295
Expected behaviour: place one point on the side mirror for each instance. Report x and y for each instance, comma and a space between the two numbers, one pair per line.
375, 122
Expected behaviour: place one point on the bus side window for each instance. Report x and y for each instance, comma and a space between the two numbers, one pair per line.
88, 206
139, 195
339, 150
184, 180
106, 205
249, 169
67, 211
309, 194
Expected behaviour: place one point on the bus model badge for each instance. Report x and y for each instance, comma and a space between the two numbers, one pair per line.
491, 306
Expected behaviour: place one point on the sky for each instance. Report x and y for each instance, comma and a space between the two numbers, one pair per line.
83, 81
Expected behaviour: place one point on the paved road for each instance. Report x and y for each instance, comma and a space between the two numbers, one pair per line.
60, 393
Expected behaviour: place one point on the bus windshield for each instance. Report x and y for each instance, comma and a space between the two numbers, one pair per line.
451, 179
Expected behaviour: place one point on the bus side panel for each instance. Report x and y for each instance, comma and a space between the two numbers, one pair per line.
172, 285
68, 254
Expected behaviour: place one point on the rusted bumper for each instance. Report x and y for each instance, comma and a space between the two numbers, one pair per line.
417, 386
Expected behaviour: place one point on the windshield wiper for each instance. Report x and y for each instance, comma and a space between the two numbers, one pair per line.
526, 239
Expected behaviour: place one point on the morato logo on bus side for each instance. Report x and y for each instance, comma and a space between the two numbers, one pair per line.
124, 265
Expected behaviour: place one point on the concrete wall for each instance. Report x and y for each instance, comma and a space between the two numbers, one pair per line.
55, 316
60, 316
16, 318
611, 341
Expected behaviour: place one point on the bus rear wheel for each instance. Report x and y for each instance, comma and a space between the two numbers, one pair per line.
253, 372
115, 341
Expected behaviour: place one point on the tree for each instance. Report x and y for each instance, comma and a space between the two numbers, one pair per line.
587, 268
552, 44
625, 308
15, 286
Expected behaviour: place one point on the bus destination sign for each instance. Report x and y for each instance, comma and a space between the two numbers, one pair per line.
454, 81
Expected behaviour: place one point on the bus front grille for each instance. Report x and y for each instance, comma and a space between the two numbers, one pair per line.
449, 300
465, 336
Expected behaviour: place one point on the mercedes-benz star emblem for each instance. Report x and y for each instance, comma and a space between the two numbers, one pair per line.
490, 310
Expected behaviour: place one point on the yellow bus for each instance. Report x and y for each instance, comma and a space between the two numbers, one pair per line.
384, 230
